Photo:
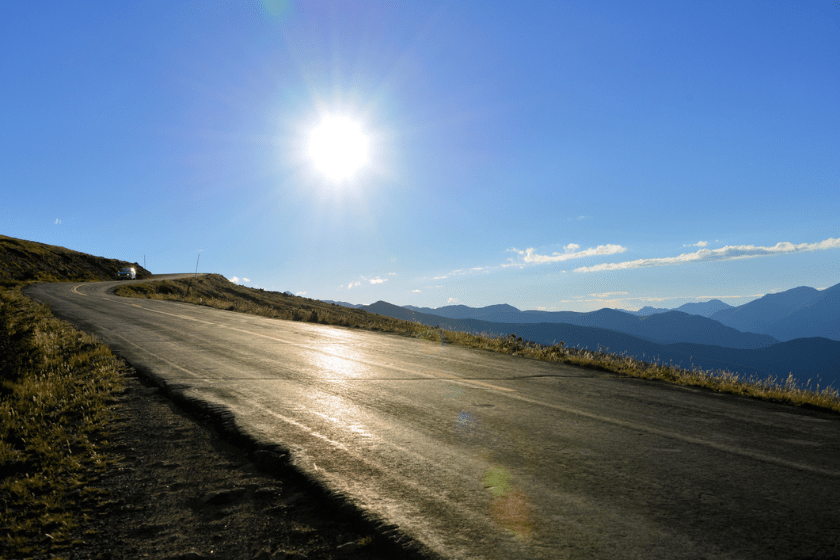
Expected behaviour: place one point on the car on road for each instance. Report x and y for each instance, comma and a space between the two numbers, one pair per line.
127, 274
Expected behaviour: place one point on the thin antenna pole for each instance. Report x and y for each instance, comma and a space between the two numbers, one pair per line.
194, 275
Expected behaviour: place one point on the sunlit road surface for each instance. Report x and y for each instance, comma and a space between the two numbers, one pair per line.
479, 455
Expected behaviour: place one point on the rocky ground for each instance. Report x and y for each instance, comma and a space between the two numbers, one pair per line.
181, 491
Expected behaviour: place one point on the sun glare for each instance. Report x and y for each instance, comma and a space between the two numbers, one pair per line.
338, 147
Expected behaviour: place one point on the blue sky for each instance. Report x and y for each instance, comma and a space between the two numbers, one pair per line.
550, 155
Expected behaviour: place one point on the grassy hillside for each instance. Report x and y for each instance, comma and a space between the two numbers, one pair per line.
216, 291
22, 261
55, 386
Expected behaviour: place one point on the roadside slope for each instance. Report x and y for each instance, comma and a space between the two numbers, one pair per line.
22, 260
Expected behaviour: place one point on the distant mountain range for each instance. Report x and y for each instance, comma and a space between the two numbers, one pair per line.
646, 310
797, 331
343, 303
668, 327
706, 308
809, 358
798, 313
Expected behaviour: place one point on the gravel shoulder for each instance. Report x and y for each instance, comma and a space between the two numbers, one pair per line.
180, 490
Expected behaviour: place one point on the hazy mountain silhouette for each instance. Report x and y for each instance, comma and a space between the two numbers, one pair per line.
819, 317
804, 358
706, 308
489, 313
676, 326
667, 327
343, 303
646, 310
797, 313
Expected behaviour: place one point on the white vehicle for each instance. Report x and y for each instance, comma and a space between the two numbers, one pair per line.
127, 274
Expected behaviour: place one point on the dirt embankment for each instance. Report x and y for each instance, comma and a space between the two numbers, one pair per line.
182, 491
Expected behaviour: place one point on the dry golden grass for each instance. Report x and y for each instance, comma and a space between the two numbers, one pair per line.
770, 388
55, 383
215, 291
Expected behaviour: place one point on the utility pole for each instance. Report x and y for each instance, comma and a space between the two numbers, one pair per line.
194, 275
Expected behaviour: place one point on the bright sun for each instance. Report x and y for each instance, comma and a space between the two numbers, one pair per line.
338, 147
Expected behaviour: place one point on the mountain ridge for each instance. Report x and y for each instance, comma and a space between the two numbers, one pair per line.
801, 312
671, 326
804, 358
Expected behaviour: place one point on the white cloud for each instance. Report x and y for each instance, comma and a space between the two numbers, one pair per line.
415, 291
707, 298
608, 294
392, 274
300, 293
246, 280
366, 280
571, 252
698, 244
57, 221
452, 300
730, 252
234, 279
439, 277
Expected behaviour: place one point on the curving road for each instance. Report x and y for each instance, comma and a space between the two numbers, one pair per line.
480, 455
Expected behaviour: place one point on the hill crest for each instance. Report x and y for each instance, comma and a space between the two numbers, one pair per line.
22, 260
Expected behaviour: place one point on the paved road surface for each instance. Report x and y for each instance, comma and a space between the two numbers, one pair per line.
479, 455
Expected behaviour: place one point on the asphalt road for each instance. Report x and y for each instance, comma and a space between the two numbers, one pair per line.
479, 455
